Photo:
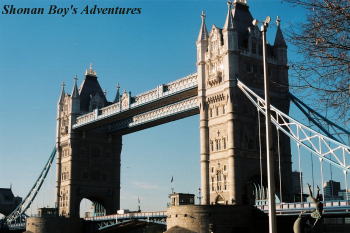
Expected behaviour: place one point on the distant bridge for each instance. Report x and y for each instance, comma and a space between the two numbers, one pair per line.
159, 217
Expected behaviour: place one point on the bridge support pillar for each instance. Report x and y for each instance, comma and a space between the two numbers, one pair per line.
204, 158
88, 162
232, 166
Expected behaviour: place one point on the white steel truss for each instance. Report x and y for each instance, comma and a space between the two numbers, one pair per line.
322, 146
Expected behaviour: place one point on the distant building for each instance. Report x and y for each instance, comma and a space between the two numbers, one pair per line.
8, 202
47, 211
344, 195
181, 199
331, 189
297, 179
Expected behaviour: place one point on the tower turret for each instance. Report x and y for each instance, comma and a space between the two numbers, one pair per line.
75, 98
63, 93
117, 95
229, 18
230, 44
202, 48
280, 44
91, 94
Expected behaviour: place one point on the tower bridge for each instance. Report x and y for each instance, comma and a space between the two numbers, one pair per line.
225, 91
90, 128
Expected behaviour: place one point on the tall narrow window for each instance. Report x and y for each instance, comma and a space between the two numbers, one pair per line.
218, 174
224, 143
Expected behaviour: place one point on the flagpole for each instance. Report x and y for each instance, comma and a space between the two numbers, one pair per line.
138, 202
171, 182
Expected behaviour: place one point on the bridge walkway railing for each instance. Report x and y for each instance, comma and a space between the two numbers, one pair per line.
329, 207
132, 215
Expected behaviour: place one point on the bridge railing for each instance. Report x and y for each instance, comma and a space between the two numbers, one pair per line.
110, 109
184, 83
328, 206
133, 215
161, 91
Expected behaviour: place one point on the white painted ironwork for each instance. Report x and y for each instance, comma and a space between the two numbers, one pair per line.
162, 91
132, 215
159, 113
330, 207
322, 146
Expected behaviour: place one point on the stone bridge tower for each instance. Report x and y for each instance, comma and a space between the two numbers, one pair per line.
88, 162
229, 132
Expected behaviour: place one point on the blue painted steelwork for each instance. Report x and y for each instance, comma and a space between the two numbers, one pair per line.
117, 219
18, 215
314, 117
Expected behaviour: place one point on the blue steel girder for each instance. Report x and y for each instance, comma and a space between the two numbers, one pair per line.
320, 145
19, 212
318, 119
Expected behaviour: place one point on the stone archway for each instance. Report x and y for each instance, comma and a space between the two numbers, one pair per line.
219, 200
89, 208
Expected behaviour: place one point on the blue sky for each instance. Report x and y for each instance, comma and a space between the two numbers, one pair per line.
39, 52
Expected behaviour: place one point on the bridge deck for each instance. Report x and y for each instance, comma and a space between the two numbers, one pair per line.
175, 95
330, 207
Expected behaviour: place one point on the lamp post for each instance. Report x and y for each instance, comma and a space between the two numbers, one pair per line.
270, 159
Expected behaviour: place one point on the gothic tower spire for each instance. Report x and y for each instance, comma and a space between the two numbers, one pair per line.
117, 95
63, 93
229, 18
75, 99
203, 32
75, 92
280, 45
279, 39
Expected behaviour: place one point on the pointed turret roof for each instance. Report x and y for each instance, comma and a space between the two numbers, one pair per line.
75, 92
63, 93
241, 16
229, 24
90, 86
203, 32
117, 95
279, 39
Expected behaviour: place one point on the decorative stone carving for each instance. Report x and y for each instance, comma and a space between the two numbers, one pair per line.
125, 100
